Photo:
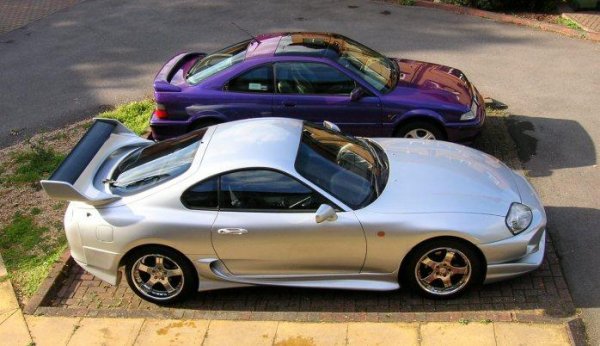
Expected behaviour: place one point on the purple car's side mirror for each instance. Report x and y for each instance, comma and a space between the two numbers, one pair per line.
357, 93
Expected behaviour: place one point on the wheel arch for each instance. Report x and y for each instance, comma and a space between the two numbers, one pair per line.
424, 115
408, 256
207, 117
130, 252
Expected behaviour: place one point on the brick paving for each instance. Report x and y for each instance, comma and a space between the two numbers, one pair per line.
17, 13
542, 293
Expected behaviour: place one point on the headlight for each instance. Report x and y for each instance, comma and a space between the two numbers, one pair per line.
518, 218
470, 115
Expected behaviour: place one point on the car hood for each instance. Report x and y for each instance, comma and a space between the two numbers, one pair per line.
442, 177
443, 83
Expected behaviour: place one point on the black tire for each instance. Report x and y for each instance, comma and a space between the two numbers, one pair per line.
184, 286
463, 252
417, 125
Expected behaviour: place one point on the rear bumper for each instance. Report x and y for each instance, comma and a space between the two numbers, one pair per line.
165, 129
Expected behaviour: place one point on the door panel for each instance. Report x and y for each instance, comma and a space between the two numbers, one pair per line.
316, 92
360, 118
288, 243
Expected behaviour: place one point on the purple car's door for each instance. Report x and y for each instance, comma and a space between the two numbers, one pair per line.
315, 92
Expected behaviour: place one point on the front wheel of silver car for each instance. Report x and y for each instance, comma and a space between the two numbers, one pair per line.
443, 268
160, 275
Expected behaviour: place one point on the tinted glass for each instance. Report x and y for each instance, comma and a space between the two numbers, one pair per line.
258, 80
344, 166
216, 62
204, 195
376, 69
156, 163
266, 190
311, 78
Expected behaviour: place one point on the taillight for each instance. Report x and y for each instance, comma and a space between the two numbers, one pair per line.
160, 111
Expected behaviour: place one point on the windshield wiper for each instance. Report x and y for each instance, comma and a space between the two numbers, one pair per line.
135, 182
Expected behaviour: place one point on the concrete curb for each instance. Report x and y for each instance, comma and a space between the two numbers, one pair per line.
49, 285
13, 328
576, 332
505, 18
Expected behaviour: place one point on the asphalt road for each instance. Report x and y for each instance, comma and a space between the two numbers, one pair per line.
68, 66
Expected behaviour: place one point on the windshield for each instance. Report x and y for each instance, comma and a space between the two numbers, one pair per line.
156, 163
374, 68
350, 169
216, 62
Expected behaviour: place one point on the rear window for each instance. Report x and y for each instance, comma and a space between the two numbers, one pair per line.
217, 62
156, 163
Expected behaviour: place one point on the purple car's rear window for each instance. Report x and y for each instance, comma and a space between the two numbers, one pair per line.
217, 62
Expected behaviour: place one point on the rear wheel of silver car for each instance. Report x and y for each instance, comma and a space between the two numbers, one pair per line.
443, 268
420, 130
160, 275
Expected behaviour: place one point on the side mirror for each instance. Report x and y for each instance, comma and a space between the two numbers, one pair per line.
331, 126
325, 213
356, 94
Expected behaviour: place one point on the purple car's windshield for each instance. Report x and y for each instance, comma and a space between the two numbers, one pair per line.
352, 170
374, 68
217, 62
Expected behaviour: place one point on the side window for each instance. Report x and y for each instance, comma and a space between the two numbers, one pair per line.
203, 195
258, 80
266, 190
311, 78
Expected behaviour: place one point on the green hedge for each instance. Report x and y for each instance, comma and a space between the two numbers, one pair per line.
509, 5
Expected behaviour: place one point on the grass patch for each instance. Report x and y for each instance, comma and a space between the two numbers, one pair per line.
28, 252
34, 164
568, 23
134, 115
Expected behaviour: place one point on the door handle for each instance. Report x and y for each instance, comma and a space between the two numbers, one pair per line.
288, 104
237, 231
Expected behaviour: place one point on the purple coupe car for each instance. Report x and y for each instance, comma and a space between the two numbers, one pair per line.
316, 77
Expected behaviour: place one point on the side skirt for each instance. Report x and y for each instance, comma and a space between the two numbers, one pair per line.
214, 275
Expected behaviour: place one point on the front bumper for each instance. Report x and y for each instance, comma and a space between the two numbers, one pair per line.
535, 247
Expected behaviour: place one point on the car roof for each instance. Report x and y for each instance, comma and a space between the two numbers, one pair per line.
257, 142
314, 44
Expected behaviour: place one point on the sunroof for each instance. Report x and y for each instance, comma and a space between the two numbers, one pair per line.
307, 44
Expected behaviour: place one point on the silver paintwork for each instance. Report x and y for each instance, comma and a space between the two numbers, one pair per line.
435, 189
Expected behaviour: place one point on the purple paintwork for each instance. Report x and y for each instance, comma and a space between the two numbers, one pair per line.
424, 92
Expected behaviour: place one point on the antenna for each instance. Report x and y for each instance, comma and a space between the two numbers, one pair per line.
245, 31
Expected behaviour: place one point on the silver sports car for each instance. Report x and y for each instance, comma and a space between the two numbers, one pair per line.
275, 201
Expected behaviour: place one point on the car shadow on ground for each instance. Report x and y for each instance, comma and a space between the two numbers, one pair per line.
578, 151
569, 246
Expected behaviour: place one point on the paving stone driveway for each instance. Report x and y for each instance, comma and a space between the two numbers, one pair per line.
16, 13
543, 292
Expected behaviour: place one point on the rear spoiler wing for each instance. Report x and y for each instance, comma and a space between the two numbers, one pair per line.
73, 180
164, 76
